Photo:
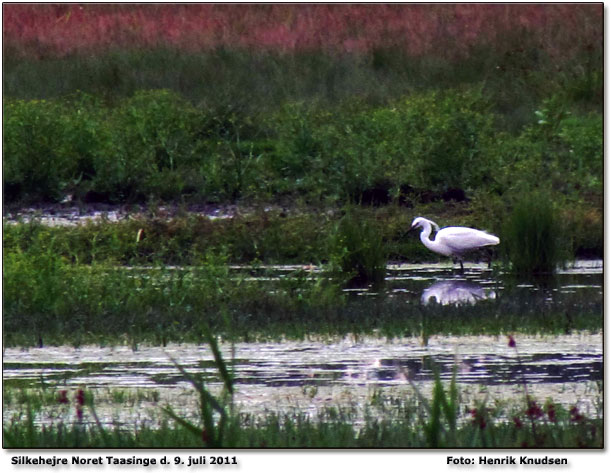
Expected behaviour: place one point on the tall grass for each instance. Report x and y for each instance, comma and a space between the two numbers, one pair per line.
533, 236
215, 412
262, 56
357, 250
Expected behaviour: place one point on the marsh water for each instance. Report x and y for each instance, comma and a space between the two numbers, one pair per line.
344, 372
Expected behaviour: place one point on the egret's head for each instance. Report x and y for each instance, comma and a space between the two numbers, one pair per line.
421, 222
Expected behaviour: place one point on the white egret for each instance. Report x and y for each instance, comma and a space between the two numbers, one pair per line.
452, 241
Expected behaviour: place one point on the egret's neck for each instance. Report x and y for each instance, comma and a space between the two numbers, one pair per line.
425, 237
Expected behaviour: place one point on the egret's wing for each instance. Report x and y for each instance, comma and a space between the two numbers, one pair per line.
463, 239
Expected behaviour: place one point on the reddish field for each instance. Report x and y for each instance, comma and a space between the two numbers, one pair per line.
449, 30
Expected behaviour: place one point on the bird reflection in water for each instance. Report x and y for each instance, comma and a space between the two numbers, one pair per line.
455, 292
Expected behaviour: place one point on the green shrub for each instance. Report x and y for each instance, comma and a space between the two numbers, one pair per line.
35, 161
582, 137
154, 135
156, 145
560, 148
448, 137
430, 140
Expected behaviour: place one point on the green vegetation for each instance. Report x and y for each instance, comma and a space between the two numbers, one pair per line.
485, 427
357, 250
445, 147
99, 302
156, 145
212, 432
533, 236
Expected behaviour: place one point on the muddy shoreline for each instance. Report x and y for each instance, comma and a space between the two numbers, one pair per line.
70, 214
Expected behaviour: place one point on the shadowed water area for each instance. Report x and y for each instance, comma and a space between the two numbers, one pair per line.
347, 372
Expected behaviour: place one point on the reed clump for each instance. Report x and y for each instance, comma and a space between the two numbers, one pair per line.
358, 251
532, 236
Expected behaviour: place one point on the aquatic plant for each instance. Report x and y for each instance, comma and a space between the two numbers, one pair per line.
532, 236
357, 250
438, 432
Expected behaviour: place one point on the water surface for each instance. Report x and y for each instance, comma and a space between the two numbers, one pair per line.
314, 374
344, 372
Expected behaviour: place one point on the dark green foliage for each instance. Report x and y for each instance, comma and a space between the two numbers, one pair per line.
533, 236
39, 160
357, 249
157, 146
152, 148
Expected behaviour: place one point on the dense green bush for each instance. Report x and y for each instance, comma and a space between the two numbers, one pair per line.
561, 149
434, 141
153, 138
157, 146
37, 160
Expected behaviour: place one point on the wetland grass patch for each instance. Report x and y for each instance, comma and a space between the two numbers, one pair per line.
533, 236
103, 304
72, 285
387, 422
358, 250
301, 432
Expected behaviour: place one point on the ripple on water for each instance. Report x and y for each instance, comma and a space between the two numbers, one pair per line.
277, 375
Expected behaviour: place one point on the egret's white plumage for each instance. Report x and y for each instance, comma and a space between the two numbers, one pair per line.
452, 241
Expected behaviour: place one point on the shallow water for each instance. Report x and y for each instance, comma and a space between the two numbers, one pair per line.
444, 283
369, 361
441, 282
310, 375
314, 374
